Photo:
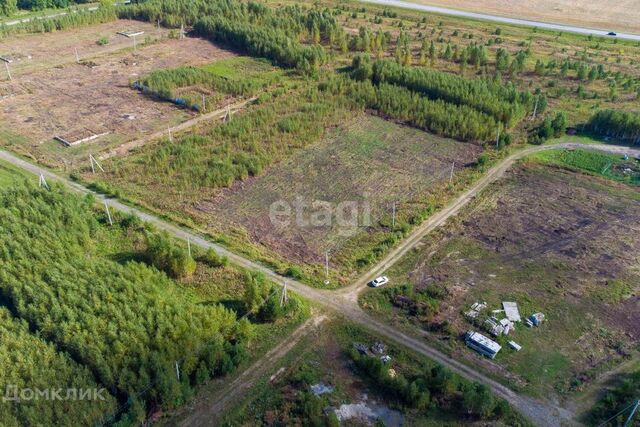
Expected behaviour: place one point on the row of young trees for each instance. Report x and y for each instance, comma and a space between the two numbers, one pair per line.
125, 322
399, 103
622, 125
106, 13
435, 386
503, 102
266, 42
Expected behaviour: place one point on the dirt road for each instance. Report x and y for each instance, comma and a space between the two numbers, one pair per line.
351, 292
128, 146
542, 413
546, 14
209, 410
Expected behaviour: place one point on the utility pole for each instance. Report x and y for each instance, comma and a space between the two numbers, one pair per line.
535, 109
177, 371
453, 165
94, 163
204, 103
284, 298
170, 136
108, 213
6, 64
633, 412
189, 246
43, 182
326, 267
393, 215
498, 136
77, 56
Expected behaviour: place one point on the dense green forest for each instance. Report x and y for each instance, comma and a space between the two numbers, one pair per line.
127, 322
31, 363
621, 125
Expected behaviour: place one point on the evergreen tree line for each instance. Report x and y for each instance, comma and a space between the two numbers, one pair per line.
265, 42
9, 7
399, 103
621, 125
127, 323
503, 102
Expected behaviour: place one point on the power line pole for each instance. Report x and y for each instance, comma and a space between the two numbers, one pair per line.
535, 109
284, 298
453, 165
498, 136
77, 56
393, 215
170, 136
108, 213
94, 163
326, 267
189, 246
633, 412
177, 371
6, 64
43, 182
204, 103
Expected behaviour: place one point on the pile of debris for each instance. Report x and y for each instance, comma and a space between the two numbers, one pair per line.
378, 349
497, 326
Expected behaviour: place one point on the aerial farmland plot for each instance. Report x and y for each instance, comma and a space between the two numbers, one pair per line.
366, 162
54, 96
555, 241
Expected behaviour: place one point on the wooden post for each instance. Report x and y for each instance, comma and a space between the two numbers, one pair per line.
77, 56
8, 72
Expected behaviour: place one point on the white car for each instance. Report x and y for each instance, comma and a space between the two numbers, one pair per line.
382, 280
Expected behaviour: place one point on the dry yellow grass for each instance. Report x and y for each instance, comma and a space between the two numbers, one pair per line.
619, 15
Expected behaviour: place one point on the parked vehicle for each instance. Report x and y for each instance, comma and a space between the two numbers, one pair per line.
377, 282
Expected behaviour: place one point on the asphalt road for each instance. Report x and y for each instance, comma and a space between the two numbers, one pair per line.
502, 19
344, 302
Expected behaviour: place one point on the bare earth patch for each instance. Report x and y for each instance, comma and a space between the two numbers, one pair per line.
556, 242
92, 97
369, 161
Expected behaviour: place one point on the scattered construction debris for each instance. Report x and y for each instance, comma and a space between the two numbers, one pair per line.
131, 33
535, 319
476, 308
386, 359
379, 348
498, 327
482, 344
514, 345
78, 137
511, 311
320, 389
362, 349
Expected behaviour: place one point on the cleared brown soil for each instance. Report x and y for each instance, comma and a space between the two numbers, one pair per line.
46, 100
554, 241
605, 14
